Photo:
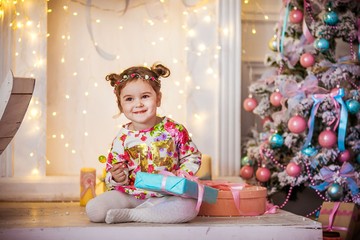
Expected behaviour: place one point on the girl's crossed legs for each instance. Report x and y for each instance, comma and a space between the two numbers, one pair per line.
116, 207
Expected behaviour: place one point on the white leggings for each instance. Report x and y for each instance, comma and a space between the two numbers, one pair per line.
116, 207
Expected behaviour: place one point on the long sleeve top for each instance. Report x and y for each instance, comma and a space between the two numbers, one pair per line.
166, 146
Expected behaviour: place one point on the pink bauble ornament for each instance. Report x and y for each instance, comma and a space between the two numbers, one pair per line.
307, 60
246, 172
297, 124
293, 170
262, 174
296, 16
266, 119
344, 156
327, 138
250, 104
275, 99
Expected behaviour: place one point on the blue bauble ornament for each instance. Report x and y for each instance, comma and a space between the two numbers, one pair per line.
335, 191
353, 106
331, 18
322, 44
247, 161
309, 151
276, 140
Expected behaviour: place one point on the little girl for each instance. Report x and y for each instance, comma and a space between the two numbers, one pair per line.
148, 143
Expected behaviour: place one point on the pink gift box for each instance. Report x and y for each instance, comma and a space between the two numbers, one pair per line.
251, 200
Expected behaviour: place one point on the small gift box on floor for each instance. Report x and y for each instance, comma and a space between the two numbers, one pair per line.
174, 185
235, 200
339, 217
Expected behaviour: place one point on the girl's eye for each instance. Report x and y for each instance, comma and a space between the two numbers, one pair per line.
145, 96
128, 99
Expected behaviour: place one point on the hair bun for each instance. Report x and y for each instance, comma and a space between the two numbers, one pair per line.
113, 78
160, 70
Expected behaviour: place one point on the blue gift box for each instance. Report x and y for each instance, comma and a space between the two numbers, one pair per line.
174, 185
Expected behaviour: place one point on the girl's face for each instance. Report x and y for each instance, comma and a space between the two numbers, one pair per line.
139, 103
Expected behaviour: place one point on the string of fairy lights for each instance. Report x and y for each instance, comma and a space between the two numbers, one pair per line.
26, 30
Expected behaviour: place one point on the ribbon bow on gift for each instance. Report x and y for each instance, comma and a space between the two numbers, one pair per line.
341, 120
186, 175
346, 171
233, 187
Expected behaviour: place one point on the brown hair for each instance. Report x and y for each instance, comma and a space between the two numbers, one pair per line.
156, 71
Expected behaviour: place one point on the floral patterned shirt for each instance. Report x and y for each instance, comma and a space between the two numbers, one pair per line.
165, 147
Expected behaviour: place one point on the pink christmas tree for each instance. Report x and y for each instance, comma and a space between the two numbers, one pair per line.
308, 100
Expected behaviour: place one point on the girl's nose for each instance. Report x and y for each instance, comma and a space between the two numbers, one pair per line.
139, 103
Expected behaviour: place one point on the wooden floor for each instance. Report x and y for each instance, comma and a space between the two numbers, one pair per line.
67, 220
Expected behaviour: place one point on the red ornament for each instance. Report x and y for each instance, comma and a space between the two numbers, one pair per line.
293, 170
250, 104
296, 16
327, 138
262, 174
297, 124
275, 99
246, 172
307, 60
344, 156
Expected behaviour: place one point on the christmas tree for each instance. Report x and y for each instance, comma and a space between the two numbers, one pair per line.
308, 100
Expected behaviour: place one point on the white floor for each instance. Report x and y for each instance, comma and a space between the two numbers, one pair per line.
67, 220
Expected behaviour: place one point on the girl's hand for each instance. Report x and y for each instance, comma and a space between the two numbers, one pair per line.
118, 173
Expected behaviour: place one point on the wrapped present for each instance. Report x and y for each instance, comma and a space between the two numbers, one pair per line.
235, 199
173, 185
339, 217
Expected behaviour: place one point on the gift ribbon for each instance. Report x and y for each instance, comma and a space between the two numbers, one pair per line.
87, 181
341, 121
186, 175
346, 171
332, 215
340, 213
233, 187
271, 208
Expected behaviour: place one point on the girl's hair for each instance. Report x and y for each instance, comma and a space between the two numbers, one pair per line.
150, 75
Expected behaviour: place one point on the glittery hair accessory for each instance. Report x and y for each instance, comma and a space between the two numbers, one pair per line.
126, 77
